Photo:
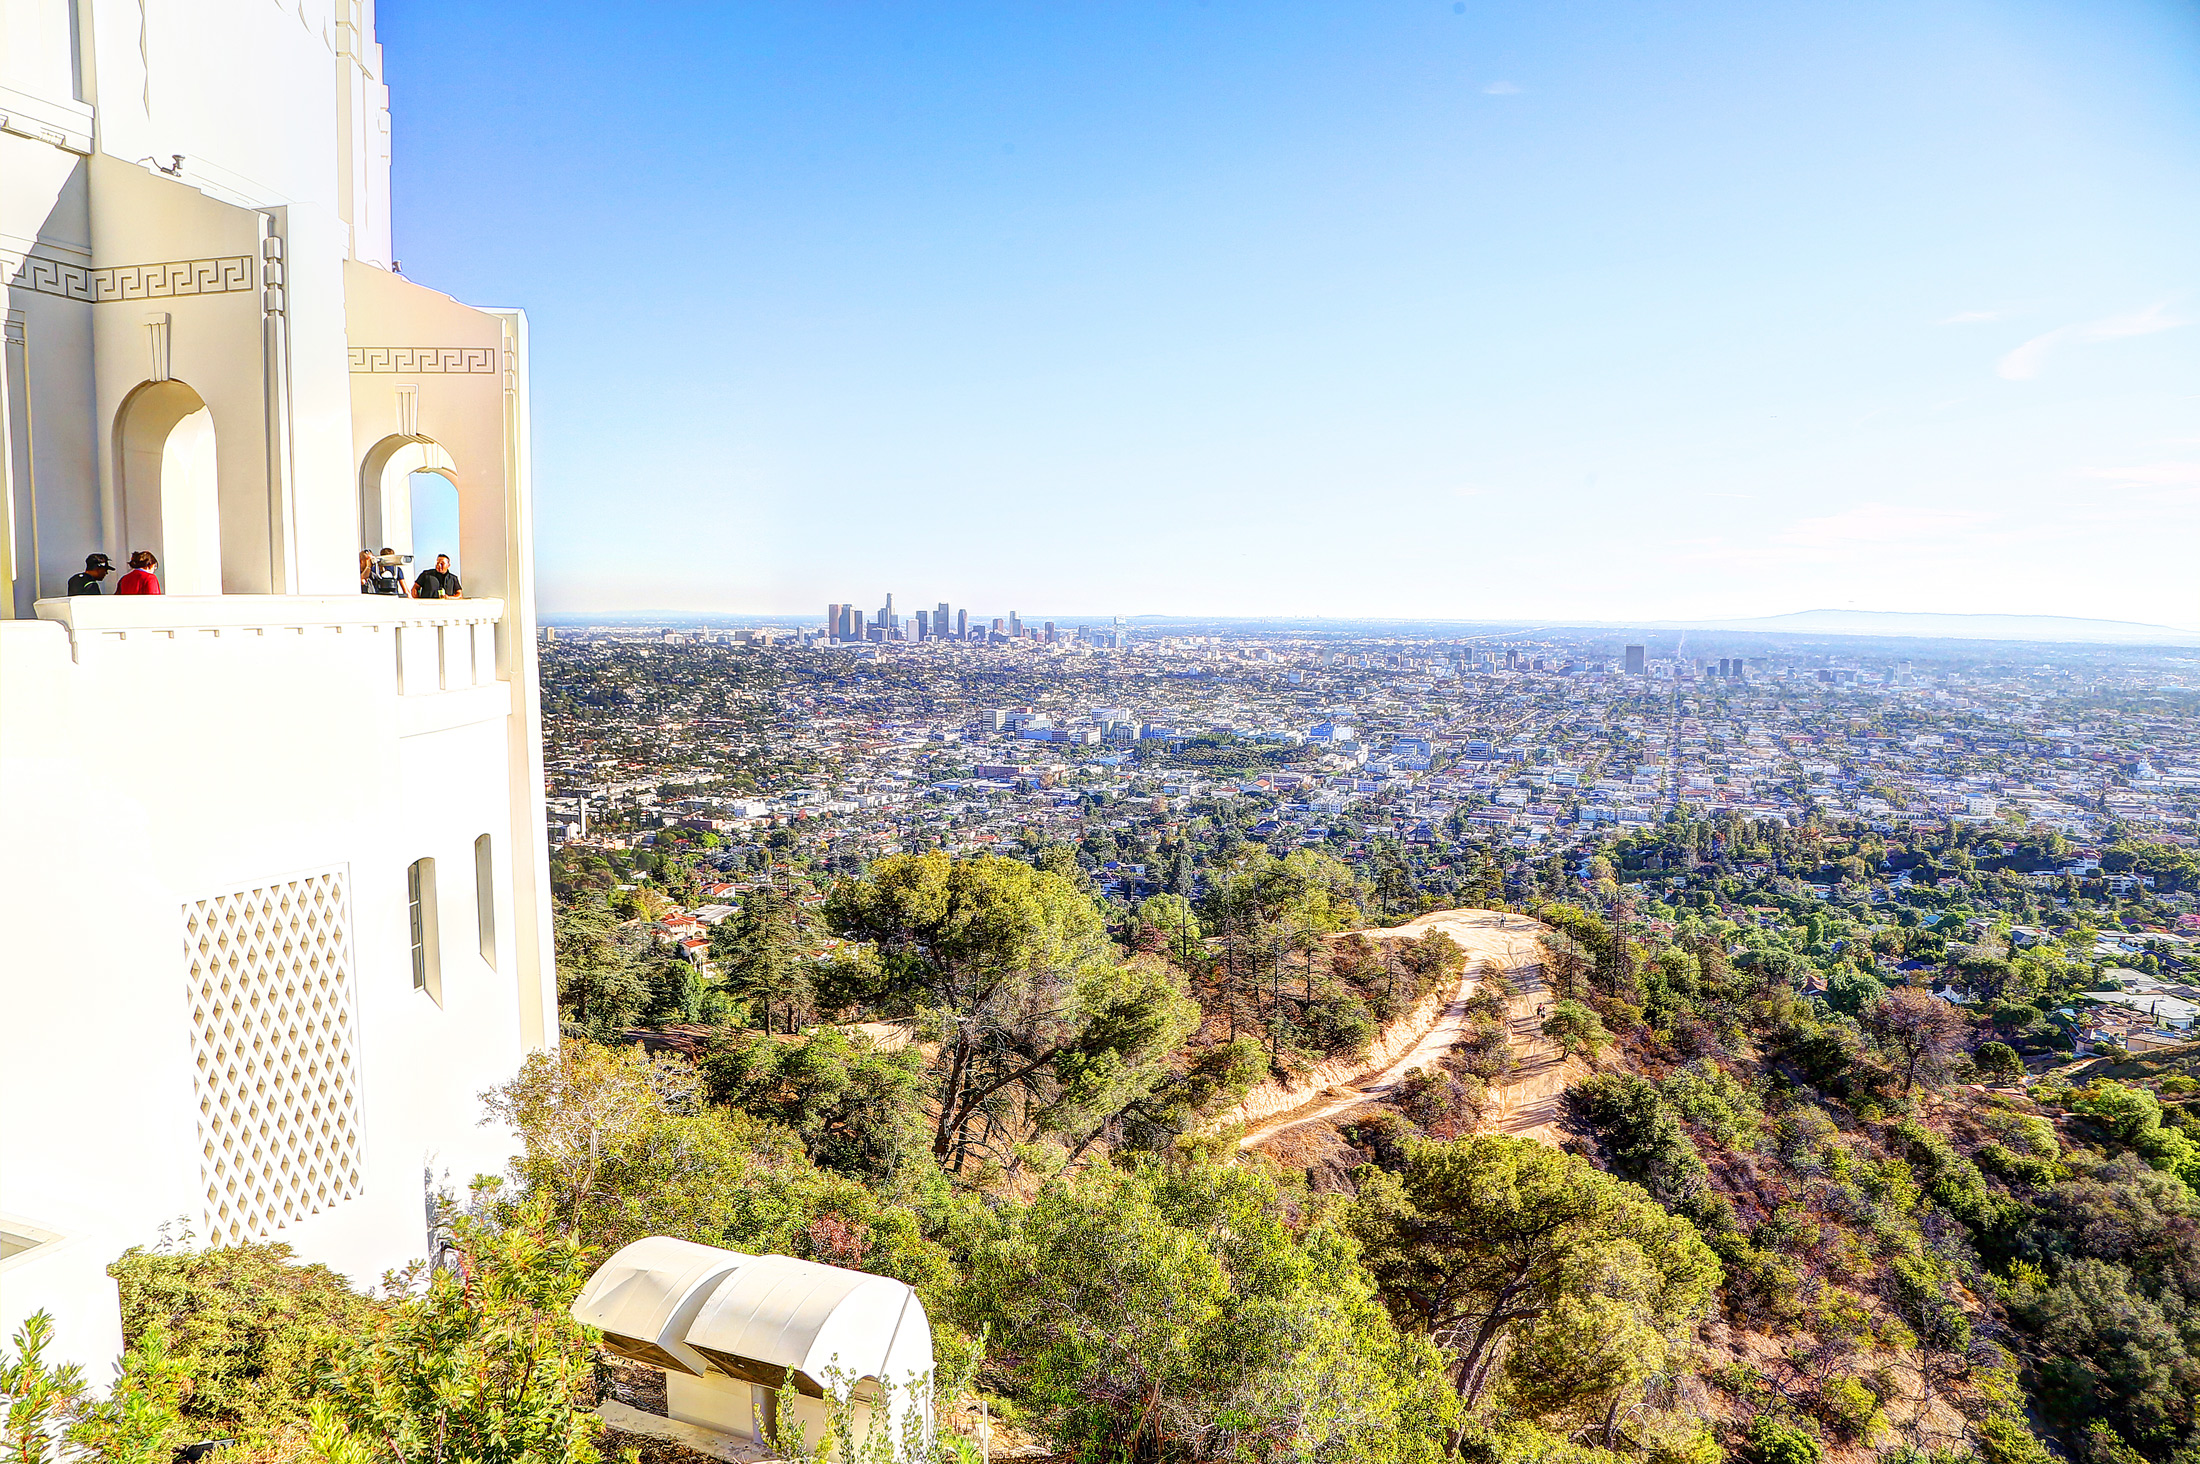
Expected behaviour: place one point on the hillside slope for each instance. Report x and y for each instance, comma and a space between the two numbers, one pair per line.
1492, 940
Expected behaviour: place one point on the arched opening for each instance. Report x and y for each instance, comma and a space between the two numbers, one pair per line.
387, 495
171, 491
434, 512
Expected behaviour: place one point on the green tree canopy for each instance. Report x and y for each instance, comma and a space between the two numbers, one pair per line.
1040, 1022
1165, 1315
755, 952
855, 1105
1520, 1259
1304, 893
1577, 1030
1167, 923
600, 986
1998, 1062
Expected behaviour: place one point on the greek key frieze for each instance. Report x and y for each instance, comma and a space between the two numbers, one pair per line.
425, 360
165, 281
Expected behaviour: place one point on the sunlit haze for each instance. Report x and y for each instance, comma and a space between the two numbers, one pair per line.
1416, 309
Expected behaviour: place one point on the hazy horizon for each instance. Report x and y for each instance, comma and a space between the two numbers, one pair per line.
1816, 625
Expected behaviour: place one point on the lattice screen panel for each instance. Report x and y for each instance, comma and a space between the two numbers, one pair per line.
277, 1068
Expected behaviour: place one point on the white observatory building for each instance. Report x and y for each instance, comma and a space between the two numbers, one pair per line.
273, 895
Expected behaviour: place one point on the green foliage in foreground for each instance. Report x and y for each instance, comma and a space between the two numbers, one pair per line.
50, 1415
1156, 1315
1491, 1244
480, 1364
250, 1327
855, 1106
486, 1365
1037, 1166
1577, 1030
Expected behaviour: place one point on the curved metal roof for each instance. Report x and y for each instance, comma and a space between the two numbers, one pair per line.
687, 1307
646, 1296
815, 1319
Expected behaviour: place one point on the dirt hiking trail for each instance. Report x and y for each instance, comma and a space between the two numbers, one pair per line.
1512, 942
1528, 1104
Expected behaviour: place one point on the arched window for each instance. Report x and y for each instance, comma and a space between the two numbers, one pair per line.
213, 531
485, 898
396, 473
171, 493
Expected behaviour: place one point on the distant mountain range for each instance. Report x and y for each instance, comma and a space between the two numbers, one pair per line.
2050, 628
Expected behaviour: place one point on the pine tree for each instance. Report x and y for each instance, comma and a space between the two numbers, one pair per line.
755, 952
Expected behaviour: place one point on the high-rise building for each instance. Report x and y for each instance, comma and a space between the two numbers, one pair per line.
939, 619
308, 936
832, 622
962, 625
1636, 664
924, 624
1050, 632
1015, 626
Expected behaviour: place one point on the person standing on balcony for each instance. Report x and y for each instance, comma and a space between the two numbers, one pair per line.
96, 568
437, 583
140, 580
386, 576
366, 568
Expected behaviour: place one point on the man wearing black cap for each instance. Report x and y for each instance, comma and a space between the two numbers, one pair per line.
96, 568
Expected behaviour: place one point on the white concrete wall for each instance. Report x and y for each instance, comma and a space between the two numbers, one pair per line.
170, 763
157, 752
280, 118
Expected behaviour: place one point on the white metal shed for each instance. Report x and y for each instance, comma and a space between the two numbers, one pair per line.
732, 1331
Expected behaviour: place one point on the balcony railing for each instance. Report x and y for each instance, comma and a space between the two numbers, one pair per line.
436, 645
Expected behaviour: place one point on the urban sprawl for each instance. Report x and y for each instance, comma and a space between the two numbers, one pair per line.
2008, 783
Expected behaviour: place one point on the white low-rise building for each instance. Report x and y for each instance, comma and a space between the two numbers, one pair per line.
273, 892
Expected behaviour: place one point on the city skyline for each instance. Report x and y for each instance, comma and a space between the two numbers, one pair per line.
1819, 625
847, 622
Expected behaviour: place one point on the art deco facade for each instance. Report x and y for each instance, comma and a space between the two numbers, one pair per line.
273, 903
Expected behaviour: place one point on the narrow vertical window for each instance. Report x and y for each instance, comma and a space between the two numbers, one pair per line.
485, 897
420, 912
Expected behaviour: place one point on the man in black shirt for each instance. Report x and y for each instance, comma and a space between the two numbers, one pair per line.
437, 583
96, 568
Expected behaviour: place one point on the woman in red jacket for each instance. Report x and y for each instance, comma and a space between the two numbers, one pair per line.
140, 580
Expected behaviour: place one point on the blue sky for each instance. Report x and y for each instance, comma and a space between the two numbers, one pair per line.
1481, 310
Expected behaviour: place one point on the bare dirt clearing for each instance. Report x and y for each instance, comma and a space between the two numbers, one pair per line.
1528, 1104
1512, 942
